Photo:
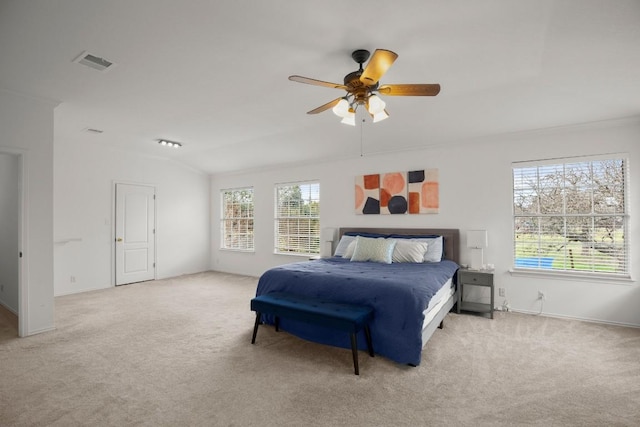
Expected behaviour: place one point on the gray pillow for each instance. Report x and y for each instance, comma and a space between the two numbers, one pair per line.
408, 250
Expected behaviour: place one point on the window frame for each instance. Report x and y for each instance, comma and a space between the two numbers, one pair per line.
314, 250
597, 274
250, 218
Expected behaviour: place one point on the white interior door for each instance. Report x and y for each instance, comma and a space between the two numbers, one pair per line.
135, 233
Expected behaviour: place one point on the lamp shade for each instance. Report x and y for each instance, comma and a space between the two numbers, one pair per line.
341, 108
327, 234
378, 117
375, 105
350, 117
477, 239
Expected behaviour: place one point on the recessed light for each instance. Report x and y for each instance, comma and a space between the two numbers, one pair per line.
168, 143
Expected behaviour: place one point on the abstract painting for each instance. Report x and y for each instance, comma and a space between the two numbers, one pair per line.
424, 196
393, 193
368, 194
414, 192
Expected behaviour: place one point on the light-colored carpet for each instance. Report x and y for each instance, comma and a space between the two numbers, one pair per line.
177, 352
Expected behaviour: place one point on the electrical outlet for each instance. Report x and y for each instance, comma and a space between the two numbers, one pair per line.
1, 288
541, 295
72, 279
501, 292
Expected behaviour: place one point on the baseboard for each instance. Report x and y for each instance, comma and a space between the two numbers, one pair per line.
40, 331
9, 315
235, 273
79, 291
9, 309
583, 319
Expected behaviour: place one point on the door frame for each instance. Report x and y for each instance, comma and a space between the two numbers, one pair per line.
23, 226
113, 227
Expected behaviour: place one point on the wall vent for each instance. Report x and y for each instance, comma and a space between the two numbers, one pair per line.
93, 61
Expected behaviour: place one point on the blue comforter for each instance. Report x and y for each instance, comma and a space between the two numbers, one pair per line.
398, 294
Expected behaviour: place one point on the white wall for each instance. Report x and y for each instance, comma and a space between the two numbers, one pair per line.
9, 223
475, 193
84, 175
26, 128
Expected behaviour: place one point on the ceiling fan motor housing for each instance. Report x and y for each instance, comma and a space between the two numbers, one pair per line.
357, 87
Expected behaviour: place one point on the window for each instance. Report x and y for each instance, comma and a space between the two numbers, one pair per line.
297, 222
237, 219
572, 216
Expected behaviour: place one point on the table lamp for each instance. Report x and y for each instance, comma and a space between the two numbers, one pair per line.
327, 237
477, 240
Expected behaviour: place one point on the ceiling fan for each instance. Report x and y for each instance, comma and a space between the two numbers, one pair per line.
363, 87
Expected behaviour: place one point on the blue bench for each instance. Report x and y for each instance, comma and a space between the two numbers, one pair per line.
345, 317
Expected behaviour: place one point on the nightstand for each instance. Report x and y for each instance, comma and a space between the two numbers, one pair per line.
475, 278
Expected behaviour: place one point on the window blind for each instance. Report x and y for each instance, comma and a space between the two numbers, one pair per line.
571, 216
297, 218
237, 219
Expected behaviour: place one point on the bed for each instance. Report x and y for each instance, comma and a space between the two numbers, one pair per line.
409, 299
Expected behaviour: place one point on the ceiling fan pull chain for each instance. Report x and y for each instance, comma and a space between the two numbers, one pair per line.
361, 143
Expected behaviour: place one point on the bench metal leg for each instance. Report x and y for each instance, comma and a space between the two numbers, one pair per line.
255, 328
441, 325
277, 322
354, 350
367, 334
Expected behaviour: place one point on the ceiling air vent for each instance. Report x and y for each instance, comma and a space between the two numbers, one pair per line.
93, 61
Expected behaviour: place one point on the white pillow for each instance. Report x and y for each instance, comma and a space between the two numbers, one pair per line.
343, 245
350, 249
374, 249
434, 249
409, 251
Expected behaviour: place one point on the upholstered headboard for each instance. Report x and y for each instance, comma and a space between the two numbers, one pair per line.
451, 236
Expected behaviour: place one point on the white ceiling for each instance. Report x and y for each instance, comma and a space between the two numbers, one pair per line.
213, 74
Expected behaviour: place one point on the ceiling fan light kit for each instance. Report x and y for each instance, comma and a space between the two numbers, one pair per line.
349, 119
362, 87
377, 117
342, 107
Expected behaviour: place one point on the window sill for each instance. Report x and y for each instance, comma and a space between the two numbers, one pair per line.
297, 254
248, 251
575, 276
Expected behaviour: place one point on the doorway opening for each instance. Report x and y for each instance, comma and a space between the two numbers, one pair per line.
12, 293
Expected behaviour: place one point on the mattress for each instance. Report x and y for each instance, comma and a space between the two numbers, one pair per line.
445, 292
439, 300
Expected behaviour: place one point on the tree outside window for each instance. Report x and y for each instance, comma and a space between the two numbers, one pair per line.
571, 216
297, 221
237, 219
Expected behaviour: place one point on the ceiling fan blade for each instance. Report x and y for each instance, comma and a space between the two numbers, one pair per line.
378, 65
315, 82
324, 107
410, 90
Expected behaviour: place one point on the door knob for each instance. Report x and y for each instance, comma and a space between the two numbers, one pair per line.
119, 239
